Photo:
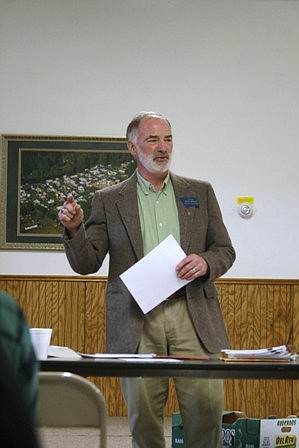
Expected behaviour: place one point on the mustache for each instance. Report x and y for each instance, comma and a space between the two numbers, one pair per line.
165, 154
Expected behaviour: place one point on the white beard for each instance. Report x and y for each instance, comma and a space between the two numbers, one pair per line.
150, 164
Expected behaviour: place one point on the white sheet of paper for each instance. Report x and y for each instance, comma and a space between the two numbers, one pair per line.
58, 351
153, 278
119, 355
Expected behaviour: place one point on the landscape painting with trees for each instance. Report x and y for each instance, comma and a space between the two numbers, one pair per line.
37, 174
47, 177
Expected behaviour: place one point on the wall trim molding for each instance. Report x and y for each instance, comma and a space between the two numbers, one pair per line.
94, 278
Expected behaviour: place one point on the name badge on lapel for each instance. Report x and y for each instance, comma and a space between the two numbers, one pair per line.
190, 201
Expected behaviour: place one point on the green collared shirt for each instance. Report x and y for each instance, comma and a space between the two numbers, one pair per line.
158, 213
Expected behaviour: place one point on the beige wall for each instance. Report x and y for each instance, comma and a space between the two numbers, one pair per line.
224, 71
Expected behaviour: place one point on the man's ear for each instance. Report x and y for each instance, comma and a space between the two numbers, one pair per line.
131, 148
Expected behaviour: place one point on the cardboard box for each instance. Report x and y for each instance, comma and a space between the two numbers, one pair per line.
267, 433
279, 433
241, 432
247, 433
228, 429
177, 436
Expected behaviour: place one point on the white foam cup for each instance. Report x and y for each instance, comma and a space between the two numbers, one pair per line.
40, 338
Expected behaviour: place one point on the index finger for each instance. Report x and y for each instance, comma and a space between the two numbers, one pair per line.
70, 199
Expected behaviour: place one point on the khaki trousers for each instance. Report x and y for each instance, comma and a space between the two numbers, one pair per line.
168, 330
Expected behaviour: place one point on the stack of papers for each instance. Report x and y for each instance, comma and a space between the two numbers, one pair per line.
280, 353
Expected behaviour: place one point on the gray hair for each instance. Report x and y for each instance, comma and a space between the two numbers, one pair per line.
135, 122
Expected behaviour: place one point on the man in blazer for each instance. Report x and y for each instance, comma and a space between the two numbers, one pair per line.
128, 220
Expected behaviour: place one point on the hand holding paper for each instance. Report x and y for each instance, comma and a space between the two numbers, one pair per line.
153, 278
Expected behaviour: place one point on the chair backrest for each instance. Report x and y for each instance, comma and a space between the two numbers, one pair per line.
69, 400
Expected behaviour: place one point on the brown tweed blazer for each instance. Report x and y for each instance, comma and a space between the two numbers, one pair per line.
113, 227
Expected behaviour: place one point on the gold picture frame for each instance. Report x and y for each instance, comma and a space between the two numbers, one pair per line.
37, 173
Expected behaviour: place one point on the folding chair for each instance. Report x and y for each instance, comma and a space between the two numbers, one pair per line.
69, 400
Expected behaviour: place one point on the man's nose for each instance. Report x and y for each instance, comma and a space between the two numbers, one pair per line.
162, 146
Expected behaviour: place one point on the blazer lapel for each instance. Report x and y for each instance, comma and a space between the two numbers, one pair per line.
183, 192
127, 205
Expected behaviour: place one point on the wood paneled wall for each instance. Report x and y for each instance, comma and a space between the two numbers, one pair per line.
258, 313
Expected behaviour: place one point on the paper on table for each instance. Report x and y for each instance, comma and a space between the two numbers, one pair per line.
137, 358
58, 351
153, 278
119, 355
280, 352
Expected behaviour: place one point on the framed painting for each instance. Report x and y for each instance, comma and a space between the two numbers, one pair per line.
38, 172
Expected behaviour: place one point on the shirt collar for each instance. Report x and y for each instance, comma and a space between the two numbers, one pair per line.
146, 186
